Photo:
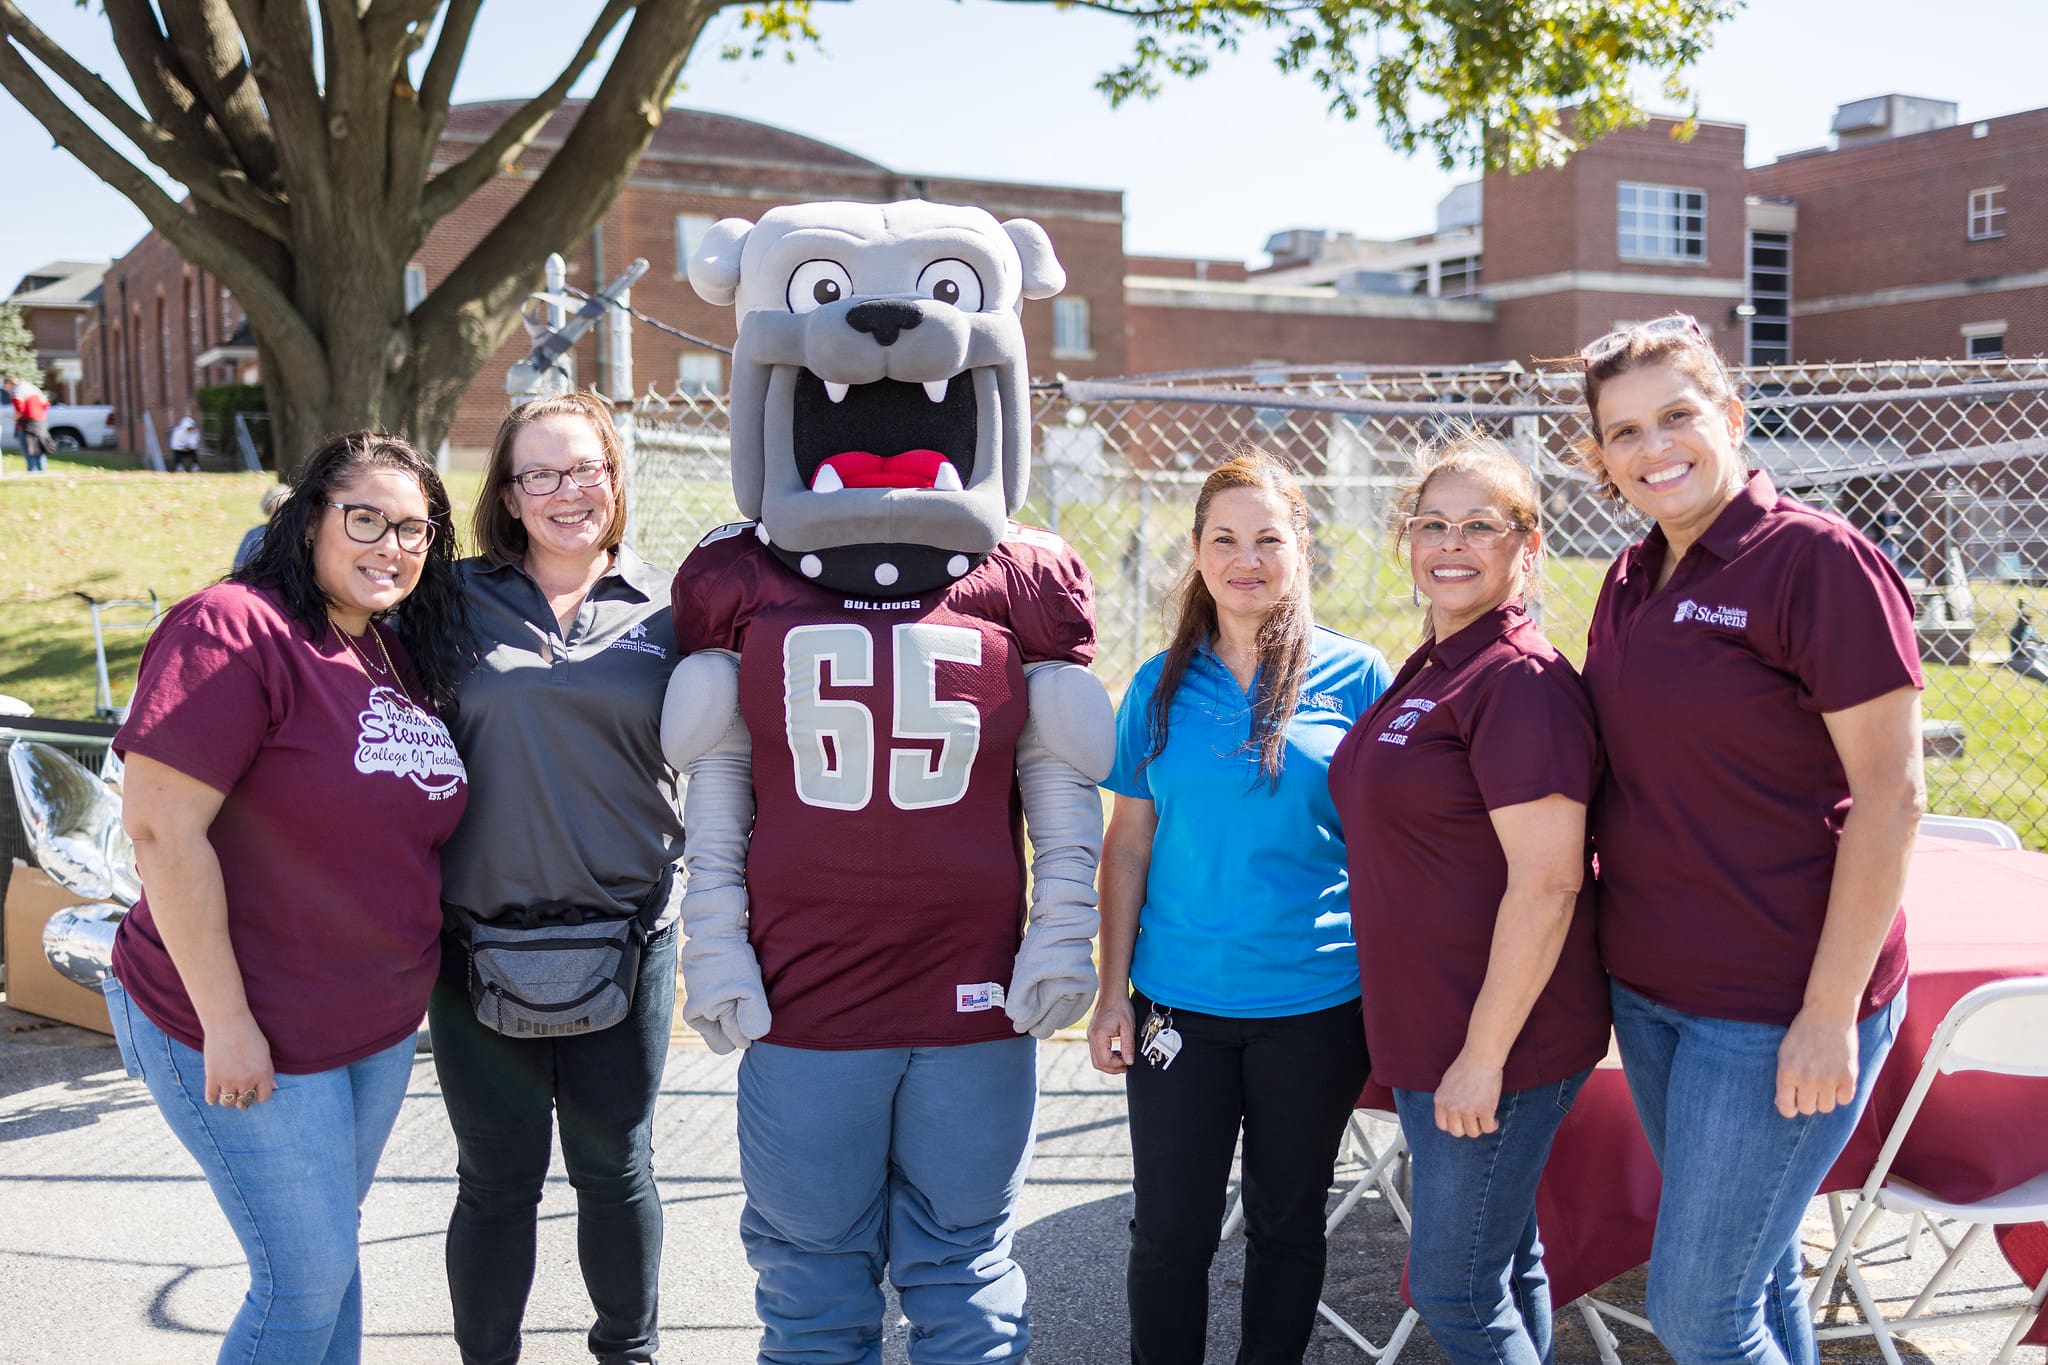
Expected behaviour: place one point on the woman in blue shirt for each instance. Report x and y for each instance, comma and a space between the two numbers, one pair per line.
1229, 982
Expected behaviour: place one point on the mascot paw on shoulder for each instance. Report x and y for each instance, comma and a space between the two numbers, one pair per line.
884, 666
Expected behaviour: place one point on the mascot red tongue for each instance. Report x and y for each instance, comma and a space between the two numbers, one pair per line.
857, 915
911, 469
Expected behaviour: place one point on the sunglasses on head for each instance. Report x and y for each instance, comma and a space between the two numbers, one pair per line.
1678, 324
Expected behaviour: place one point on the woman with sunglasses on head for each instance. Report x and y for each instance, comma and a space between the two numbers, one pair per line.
1754, 670
288, 788
1463, 794
1229, 989
573, 823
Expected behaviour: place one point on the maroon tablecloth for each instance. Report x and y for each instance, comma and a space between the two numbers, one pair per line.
1973, 914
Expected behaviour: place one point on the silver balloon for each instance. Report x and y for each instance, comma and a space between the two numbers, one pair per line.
79, 941
73, 821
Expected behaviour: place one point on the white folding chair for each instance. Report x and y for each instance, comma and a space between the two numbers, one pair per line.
2002, 1028
1377, 1168
1966, 829
1992, 832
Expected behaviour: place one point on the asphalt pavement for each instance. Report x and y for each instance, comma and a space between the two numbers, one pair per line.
111, 1248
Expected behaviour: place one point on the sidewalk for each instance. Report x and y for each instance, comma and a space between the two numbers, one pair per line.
111, 1248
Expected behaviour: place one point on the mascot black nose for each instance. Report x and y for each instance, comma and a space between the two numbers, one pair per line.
883, 319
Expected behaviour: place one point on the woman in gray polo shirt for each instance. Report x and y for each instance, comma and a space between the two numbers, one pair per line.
572, 814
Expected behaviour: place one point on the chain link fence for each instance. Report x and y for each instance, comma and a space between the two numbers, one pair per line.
1942, 464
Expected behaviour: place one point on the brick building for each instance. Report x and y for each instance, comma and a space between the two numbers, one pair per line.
1933, 243
169, 329
1914, 236
56, 301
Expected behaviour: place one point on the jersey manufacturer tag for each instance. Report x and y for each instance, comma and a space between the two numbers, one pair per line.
983, 995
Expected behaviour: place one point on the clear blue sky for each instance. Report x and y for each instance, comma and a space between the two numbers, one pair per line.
1212, 167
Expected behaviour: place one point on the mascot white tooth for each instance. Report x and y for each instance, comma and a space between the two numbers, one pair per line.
884, 670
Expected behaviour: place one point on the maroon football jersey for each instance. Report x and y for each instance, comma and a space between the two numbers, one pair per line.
886, 874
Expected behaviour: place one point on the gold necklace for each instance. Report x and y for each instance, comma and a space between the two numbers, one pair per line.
370, 670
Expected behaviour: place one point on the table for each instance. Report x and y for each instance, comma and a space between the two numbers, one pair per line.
1973, 914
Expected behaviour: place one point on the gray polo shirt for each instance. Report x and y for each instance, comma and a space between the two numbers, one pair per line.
570, 801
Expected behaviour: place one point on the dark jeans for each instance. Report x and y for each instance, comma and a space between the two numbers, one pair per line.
1292, 1083
502, 1095
35, 445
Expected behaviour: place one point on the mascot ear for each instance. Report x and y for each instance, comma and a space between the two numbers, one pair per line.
1043, 276
715, 265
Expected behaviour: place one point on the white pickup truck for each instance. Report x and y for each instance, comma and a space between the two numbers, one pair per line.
73, 426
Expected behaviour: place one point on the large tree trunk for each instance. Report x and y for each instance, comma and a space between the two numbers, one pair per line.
308, 157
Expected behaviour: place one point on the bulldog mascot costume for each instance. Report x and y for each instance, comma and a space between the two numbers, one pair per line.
884, 671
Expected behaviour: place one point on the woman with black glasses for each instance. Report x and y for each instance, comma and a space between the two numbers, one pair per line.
570, 841
288, 789
1463, 794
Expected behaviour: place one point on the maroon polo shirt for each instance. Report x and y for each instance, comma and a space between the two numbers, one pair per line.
1717, 821
1491, 717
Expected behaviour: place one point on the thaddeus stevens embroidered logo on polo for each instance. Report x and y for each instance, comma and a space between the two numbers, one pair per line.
1689, 610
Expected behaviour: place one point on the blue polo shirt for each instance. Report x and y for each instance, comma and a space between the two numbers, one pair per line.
1247, 905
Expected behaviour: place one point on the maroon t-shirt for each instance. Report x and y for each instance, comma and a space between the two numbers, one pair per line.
886, 876
1717, 821
339, 794
1491, 717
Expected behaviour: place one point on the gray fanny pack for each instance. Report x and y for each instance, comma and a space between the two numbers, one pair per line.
535, 974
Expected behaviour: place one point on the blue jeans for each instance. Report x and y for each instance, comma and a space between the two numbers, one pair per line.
290, 1174
904, 1159
1725, 1267
1475, 1262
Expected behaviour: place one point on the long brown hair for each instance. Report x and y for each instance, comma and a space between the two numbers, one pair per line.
500, 537
1467, 450
1284, 635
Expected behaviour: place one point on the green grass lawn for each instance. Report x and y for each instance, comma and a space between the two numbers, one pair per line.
95, 524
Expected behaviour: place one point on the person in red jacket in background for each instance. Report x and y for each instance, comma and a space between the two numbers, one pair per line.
31, 407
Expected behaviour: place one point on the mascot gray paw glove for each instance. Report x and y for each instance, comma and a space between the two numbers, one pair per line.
723, 996
1053, 979
1066, 745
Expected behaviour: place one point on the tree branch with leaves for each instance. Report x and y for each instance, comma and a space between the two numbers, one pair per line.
305, 134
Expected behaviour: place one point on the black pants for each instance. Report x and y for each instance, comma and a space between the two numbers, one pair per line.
502, 1095
1292, 1083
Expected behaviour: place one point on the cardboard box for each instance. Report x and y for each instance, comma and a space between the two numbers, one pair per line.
33, 985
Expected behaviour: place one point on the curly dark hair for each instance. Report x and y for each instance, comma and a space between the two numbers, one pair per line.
431, 622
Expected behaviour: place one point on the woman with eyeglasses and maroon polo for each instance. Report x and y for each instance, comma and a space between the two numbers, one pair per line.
288, 788
1754, 670
573, 823
1463, 794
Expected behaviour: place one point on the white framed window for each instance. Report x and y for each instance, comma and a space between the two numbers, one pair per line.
415, 286
690, 230
1984, 340
700, 374
1986, 214
1070, 335
1660, 222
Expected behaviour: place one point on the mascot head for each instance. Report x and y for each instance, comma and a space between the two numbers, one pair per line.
881, 418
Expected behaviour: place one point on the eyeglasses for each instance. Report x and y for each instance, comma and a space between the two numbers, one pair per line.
539, 483
1677, 324
1481, 533
366, 526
